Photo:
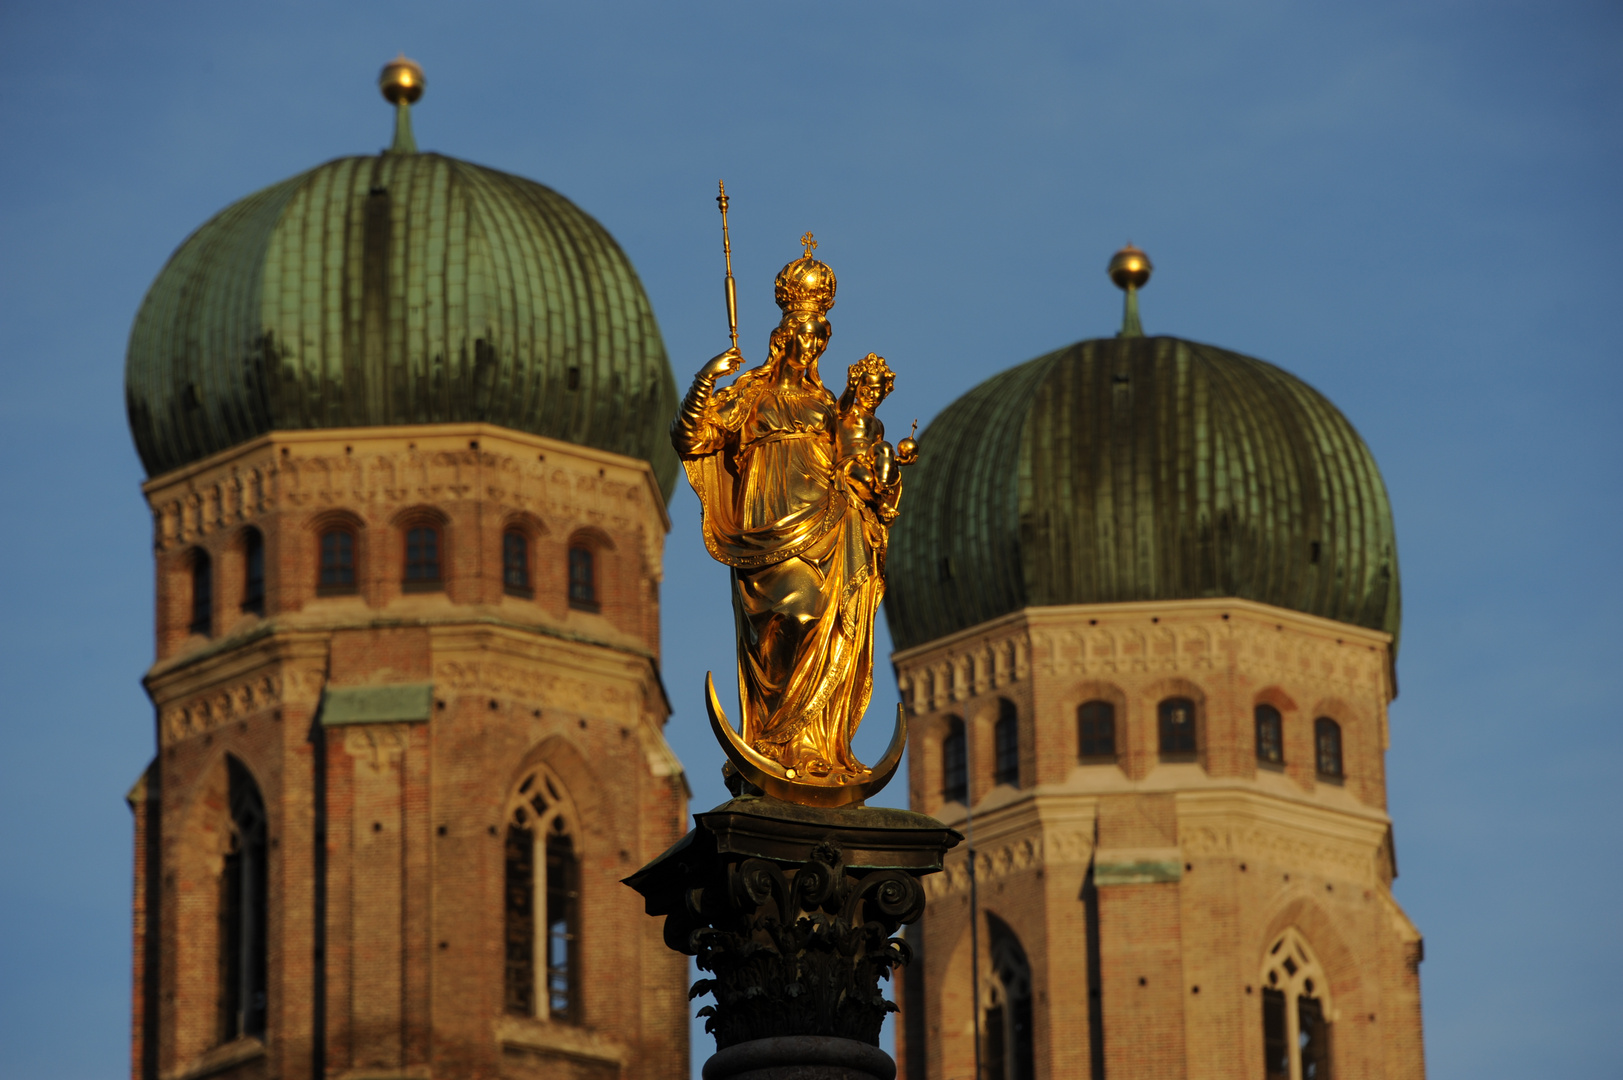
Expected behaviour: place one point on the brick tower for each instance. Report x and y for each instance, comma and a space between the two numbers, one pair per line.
403, 418
1145, 601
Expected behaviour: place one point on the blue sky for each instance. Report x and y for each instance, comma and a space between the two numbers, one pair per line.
1414, 206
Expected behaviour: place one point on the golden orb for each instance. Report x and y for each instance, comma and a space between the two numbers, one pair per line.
402, 78
1130, 267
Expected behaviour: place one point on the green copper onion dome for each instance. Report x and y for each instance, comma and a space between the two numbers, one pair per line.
1140, 468
403, 288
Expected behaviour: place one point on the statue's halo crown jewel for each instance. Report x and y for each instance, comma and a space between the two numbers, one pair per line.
807, 284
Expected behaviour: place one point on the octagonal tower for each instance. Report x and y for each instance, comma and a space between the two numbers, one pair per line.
403, 418
1145, 601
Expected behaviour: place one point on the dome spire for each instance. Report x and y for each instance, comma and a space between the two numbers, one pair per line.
402, 83
1130, 268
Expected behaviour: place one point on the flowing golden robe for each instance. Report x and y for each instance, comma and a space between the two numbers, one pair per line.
807, 558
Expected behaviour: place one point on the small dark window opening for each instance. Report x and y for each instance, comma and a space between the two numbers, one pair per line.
1270, 736
243, 902
1314, 1037
1007, 1046
520, 921
422, 558
1006, 744
955, 762
574, 378
516, 563
1276, 1050
563, 912
944, 569
582, 578
1177, 724
1313, 552
202, 593
253, 584
337, 563
1096, 731
1327, 744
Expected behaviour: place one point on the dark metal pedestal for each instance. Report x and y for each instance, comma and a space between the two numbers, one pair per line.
791, 910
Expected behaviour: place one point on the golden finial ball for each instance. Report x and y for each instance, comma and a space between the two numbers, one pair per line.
1130, 267
402, 79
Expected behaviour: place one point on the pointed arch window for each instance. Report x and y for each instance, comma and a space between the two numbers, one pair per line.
955, 762
516, 563
543, 903
202, 621
1096, 732
1007, 1049
1295, 1012
582, 577
253, 571
1176, 718
1270, 735
1327, 748
243, 910
337, 575
1006, 744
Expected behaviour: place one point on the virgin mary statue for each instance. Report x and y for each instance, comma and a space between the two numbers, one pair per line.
798, 491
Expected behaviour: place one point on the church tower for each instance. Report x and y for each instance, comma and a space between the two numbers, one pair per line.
403, 419
1145, 602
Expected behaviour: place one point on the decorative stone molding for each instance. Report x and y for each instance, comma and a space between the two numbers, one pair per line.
1330, 857
204, 712
1009, 857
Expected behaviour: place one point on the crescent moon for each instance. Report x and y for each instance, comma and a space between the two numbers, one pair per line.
769, 776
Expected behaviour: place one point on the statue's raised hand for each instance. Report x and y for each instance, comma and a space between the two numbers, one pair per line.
725, 364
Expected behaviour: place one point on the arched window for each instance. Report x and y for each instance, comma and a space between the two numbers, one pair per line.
1006, 744
1295, 1012
202, 593
582, 577
1327, 748
1006, 1035
543, 903
516, 563
1270, 735
243, 896
1096, 731
955, 762
253, 571
337, 562
1177, 724
422, 558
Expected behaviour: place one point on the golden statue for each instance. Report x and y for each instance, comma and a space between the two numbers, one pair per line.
799, 490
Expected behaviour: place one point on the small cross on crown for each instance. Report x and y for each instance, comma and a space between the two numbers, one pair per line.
809, 244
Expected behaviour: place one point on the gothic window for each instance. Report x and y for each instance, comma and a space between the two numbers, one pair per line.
543, 903
1006, 744
202, 593
955, 762
253, 571
1270, 736
1096, 731
1295, 1012
422, 558
516, 563
1006, 1015
1327, 745
243, 912
1177, 724
582, 578
337, 562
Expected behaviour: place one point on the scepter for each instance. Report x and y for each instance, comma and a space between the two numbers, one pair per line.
727, 252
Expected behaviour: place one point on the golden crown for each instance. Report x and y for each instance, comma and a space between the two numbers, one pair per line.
806, 285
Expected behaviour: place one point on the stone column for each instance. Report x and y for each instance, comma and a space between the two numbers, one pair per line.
790, 909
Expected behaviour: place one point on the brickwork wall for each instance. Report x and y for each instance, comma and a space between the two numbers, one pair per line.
1232, 853
386, 856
